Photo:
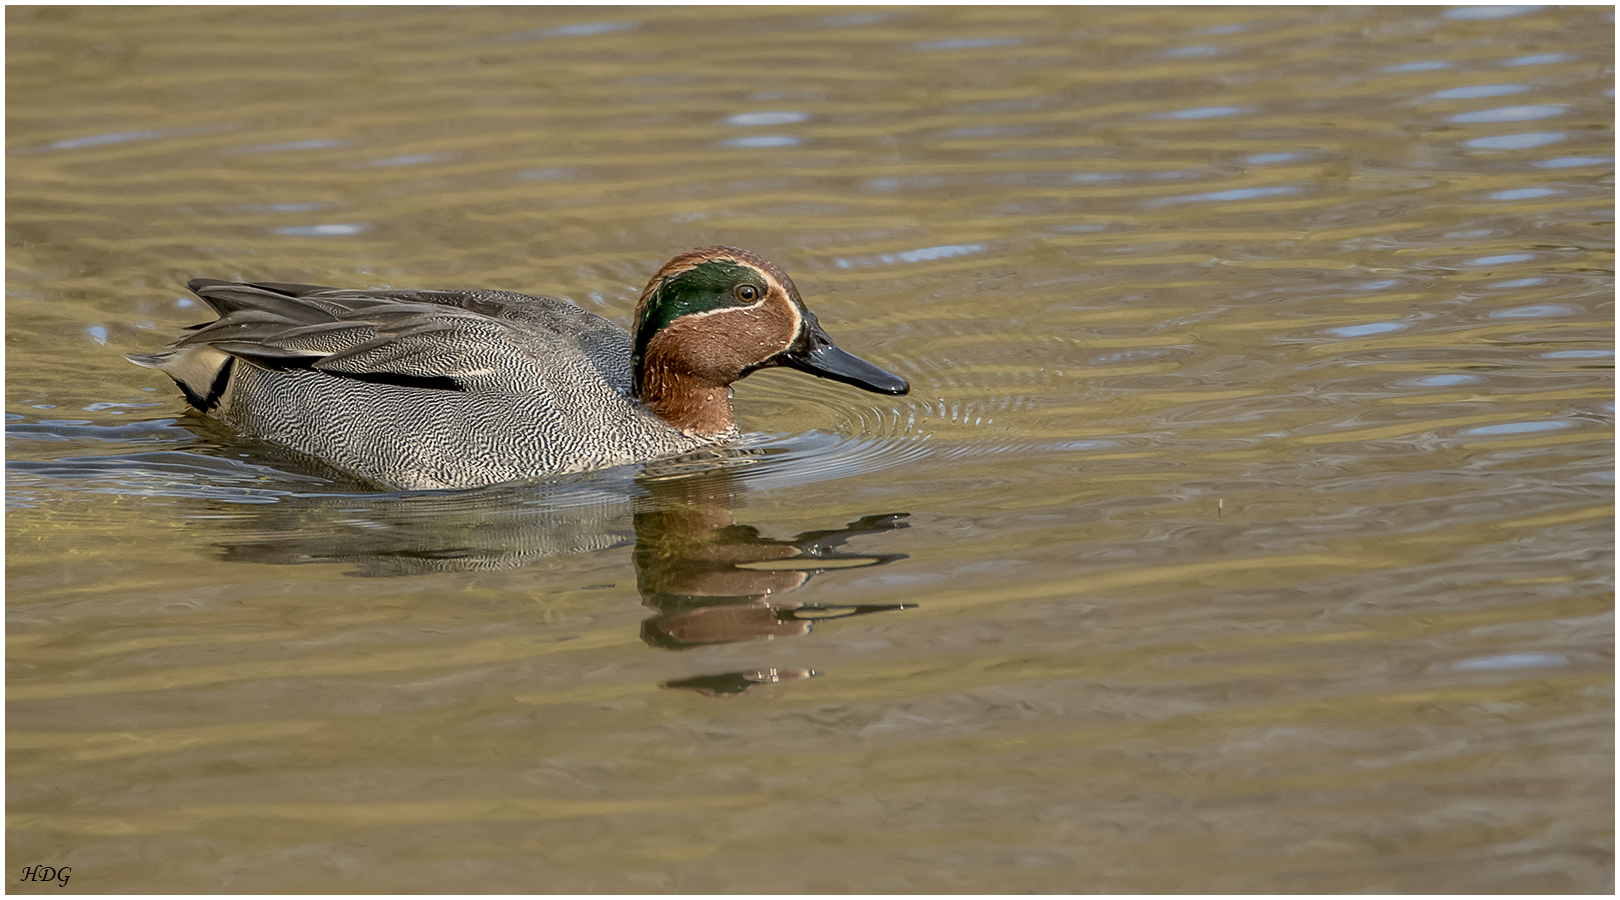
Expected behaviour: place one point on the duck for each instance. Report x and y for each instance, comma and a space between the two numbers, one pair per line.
453, 389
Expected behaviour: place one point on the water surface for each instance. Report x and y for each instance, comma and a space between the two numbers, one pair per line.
1248, 527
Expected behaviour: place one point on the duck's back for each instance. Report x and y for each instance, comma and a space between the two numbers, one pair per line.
419, 389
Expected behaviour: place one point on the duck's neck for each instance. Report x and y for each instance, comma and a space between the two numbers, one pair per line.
689, 402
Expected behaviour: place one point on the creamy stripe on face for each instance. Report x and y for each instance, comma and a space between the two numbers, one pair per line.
725, 342
704, 283
773, 294
691, 259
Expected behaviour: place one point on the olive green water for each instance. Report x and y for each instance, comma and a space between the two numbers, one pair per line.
1252, 507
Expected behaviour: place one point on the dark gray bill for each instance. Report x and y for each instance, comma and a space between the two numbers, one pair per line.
815, 353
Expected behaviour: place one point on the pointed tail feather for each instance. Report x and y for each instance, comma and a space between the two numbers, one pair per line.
202, 372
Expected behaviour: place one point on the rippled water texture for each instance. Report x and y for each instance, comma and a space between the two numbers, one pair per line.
1248, 527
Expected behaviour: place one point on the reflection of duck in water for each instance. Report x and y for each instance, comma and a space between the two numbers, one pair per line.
709, 579
729, 684
713, 581
455, 389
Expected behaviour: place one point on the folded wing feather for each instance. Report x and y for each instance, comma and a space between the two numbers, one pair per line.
368, 336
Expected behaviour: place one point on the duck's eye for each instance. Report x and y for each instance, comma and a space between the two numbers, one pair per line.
747, 293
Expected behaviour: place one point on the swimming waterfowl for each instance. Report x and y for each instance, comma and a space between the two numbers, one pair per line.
426, 389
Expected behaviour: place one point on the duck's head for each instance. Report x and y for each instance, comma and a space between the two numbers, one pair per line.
713, 315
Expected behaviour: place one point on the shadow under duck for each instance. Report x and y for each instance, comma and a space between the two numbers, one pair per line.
424, 389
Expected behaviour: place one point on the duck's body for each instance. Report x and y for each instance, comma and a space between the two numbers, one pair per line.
448, 389
454, 389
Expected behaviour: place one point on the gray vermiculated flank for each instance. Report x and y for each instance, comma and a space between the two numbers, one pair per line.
423, 389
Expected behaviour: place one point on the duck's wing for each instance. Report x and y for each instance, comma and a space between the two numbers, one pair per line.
487, 341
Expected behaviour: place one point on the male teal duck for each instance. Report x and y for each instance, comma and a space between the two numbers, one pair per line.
423, 389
